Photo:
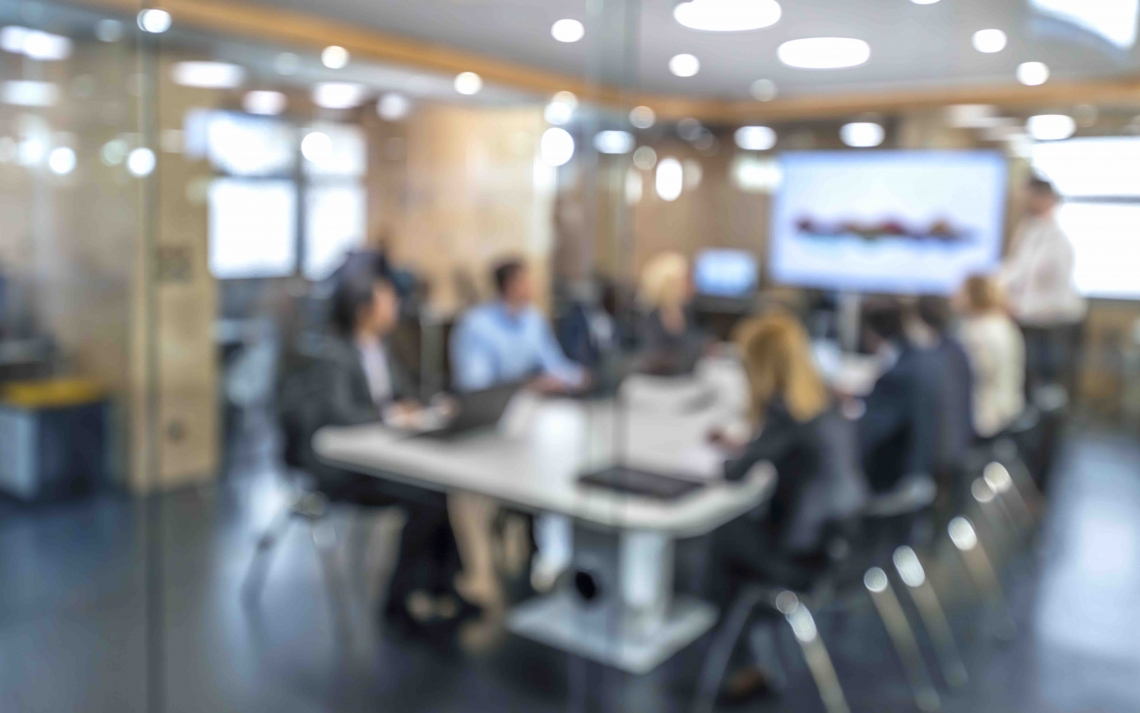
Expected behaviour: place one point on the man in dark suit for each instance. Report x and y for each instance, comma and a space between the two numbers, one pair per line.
899, 431
957, 385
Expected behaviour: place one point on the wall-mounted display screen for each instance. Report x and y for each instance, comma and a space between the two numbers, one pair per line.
725, 273
888, 221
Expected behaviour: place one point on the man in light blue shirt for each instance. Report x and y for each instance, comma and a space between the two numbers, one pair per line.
510, 340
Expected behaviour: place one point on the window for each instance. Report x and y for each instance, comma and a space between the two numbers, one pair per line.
1100, 212
253, 228
335, 198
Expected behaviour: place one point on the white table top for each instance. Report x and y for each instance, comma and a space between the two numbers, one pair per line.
541, 446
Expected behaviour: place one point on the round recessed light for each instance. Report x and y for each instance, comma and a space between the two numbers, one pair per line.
393, 107
561, 108
1032, 74
763, 90
670, 179
924, 2
642, 117
684, 65
755, 138
613, 142
207, 75
556, 147
824, 53
568, 30
264, 102
862, 134
645, 157
990, 41
141, 162
468, 83
727, 15
338, 95
316, 146
154, 20
1051, 127
61, 160
335, 57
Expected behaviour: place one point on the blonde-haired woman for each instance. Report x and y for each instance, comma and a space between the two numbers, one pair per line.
813, 449
668, 339
996, 350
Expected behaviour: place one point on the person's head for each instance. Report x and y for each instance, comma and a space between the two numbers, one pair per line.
1040, 196
365, 303
882, 323
513, 283
665, 282
777, 357
935, 312
981, 294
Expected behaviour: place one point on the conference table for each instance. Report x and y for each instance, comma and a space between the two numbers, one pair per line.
629, 616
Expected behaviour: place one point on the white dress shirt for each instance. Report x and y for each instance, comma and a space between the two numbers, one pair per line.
374, 361
997, 357
1038, 275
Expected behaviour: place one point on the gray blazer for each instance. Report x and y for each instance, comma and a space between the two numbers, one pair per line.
344, 397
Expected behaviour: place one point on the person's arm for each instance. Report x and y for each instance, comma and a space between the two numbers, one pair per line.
472, 359
776, 439
553, 361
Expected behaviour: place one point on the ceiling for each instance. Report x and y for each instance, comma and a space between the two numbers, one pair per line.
912, 45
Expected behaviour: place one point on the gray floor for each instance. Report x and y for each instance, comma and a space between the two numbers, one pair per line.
73, 634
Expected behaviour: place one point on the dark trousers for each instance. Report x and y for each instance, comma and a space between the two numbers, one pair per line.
1052, 356
428, 557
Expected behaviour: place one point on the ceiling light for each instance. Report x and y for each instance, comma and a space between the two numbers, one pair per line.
727, 15
35, 44
468, 83
1051, 127
108, 30
613, 142
264, 102
990, 41
316, 147
24, 92
568, 98
154, 21
645, 157
338, 95
113, 152
141, 162
31, 151
207, 75
558, 113
684, 65
634, 187
755, 138
763, 90
286, 63
1032, 74
61, 160
567, 30
556, 147
670, 179
824, 53
642, 117
1114, 20
970, 116
924, 2
334, 57
756, 175
393, 107
862, 134
693, 173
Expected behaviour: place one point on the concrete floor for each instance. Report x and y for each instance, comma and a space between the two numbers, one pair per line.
74, 632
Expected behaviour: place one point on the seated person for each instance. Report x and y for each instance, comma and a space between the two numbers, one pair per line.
499, 342
508, 340
587, 329
813, 449
957, 425
357, 381
996, 351
899, 430
668, 339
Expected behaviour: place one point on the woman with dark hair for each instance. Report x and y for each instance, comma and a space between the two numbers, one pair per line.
360, 382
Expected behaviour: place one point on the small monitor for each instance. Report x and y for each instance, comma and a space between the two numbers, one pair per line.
726, 273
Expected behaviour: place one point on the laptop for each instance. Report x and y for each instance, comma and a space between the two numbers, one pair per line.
475, 410
635, 481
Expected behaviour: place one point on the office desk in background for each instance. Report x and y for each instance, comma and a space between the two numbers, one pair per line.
532, 462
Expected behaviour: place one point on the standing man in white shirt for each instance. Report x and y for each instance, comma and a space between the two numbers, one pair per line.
1043, 296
